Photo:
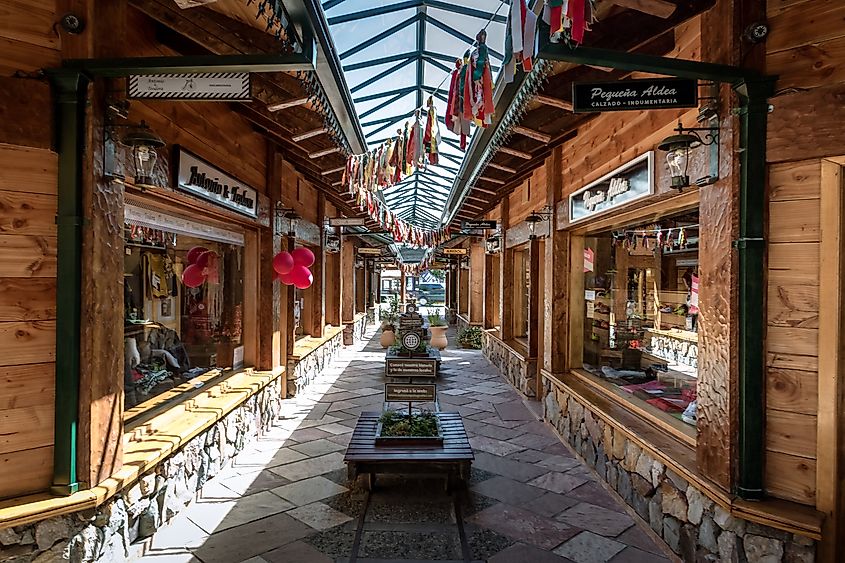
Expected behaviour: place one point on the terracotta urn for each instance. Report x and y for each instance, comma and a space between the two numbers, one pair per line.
438, 337
387, 338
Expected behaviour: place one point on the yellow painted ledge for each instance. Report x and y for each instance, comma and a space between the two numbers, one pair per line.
308, 344
145, 446
680, 458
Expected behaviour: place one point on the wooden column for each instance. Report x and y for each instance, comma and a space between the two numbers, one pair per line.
463, 289
318, 270
333, 291
489, 295
476, 282
533, 297
506, 278
100, 422
402, 287
347, 279
270, 290
290, 322
556, 280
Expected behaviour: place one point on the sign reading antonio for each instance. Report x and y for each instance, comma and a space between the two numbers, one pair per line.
629, 182
645, 93
197, 177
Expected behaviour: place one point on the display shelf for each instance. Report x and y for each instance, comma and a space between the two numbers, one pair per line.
680, 334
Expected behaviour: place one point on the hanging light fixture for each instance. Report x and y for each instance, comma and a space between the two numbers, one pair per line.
144, 144
535, 217
678, 147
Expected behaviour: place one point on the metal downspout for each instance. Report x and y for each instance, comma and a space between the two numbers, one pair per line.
751, 250
71, 95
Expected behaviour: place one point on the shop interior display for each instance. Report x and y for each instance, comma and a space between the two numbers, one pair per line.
641, 311
183, 307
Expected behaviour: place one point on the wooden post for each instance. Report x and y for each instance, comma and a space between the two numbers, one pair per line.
476, 282
489, 295
333, 289
402, 287
270, 291
318, 270
556, 280
347, 281
533, 297
290, 298
506, 278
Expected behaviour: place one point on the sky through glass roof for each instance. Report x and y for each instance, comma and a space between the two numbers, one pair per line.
397, 53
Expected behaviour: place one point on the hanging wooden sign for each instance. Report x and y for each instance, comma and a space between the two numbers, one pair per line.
629, 182
478, 225
454, 251
635, 94
347, 221
197, 177
369, 251
209, 86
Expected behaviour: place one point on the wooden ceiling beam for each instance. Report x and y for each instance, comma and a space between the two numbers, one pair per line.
332, 171
513, 152
507, 169
309, 134
554, 102
659, 8
531, 134
288, 104
324, 152
483, 190
494, 180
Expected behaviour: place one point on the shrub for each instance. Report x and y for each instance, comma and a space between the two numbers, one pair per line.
470, 337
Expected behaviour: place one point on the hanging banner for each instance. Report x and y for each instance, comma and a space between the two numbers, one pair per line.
478, 225
210, 86
636, 94
197, 177
454, 251
369, 251
629, 182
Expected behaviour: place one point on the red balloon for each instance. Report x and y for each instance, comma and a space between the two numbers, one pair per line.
193, 276
286, 279
206, 259
302, 256
302, 277
283, 262
194, 254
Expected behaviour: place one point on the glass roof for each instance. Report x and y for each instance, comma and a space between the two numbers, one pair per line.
397, 53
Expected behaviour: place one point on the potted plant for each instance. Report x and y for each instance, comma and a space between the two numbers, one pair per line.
438, 327
388, 325
402, 430
470, 338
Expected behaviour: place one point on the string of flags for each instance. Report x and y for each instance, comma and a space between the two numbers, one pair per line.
569, 19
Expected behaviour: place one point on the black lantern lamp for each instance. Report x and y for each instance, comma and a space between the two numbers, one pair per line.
493, 244
536, 217
292, 217
144, 144
678, 147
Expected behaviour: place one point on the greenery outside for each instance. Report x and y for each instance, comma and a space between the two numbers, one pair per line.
470, 337
421, 425
434, 319
390, 316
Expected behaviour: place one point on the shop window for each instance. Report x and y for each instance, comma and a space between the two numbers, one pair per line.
641, 312
522, 283
174, 333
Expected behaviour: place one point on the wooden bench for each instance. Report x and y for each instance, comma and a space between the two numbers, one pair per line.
453, 457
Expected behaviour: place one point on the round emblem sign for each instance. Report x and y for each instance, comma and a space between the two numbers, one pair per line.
411, 308
411, 340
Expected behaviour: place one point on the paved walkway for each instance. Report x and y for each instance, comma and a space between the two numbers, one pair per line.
287, 500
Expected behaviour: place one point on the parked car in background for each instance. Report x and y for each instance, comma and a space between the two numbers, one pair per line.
431, 294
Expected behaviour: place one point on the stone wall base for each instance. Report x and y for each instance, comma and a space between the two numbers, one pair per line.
520, 372
107, 534
303, 372
691, 524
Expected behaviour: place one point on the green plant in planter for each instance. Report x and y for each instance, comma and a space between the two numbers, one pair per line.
390, 316
434, 319
470, 337
423, 425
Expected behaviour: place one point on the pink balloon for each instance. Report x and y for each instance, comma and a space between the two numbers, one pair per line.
302, 277
303, 256
205, 259
194, 254
192, 276
286, 279
283, 262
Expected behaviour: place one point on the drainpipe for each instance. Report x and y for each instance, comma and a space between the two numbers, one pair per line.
751, 250
71, 95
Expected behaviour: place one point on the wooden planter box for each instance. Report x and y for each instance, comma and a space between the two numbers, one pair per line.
404, 441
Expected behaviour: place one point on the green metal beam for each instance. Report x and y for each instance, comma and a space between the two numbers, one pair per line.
371, 97
385, 103
623, 60
71, 96
382, 60
382, 74
115, 68
383, 35
373, 12
460, 35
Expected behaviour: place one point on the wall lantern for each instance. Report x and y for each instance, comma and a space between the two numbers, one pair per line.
493, 244
678, 147
292, 217
536, 217
332, 243
144, 143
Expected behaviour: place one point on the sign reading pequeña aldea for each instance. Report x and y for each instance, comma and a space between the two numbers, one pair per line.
197, 177
635, 94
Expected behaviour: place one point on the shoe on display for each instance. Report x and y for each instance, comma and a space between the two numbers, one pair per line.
689, 414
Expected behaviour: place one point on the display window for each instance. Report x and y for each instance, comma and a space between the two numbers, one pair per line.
522, 285
183, 310
641, 304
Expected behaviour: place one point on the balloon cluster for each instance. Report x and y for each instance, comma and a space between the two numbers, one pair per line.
202, 267
292, 267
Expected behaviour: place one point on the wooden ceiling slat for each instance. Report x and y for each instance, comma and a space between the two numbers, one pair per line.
309, 134
532, 134
554, 102
659, 8
288, 104
494, 180
513, 152
507, 169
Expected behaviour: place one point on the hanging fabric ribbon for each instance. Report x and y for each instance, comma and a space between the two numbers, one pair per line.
520, 43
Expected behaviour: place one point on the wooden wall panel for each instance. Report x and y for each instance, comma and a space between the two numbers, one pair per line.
791, 477
25, 471
28, 170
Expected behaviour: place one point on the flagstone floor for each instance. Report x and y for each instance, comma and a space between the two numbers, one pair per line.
286, 499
